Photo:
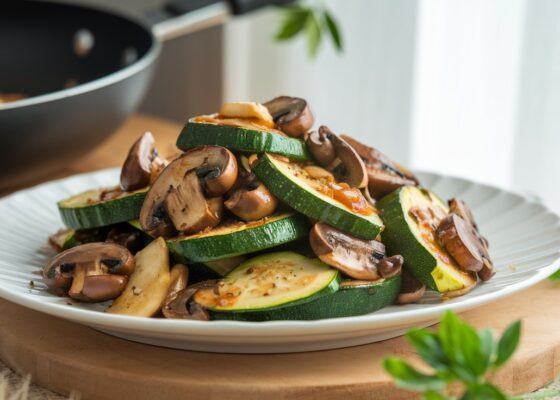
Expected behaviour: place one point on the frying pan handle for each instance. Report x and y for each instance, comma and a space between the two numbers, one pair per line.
180, 17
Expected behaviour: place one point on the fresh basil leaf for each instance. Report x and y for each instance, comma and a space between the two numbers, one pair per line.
462, 346
428, 346
508, 343
293, 23
483, 391
313, 29
409, 378
486, 346
332, 27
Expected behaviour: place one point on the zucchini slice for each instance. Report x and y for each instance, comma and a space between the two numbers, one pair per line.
284, 180
88, 210
353, 298
248, 139
415, 241
270, 281
237, 238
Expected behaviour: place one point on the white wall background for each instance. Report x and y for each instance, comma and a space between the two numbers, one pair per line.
464, 87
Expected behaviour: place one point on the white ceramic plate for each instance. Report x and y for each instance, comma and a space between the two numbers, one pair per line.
524, 238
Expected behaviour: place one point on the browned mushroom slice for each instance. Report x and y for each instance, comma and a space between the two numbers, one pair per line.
214, 167
127, 236
92, 272
141, 164
460, 239
182, 305
338, 157
252, 200
384, 175
390, 266
412, 289
292, 115
188, 209
321, 148
357, 258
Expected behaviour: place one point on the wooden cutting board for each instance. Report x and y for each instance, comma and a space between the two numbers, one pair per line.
64, 356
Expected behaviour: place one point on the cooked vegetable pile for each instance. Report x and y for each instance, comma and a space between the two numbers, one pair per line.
262, 218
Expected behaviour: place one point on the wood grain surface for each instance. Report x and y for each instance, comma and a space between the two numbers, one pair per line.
64, 356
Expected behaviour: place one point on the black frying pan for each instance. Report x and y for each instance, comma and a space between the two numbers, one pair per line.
84, 71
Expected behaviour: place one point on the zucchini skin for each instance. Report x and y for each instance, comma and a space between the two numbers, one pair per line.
308, 204
399, 239
240, 139
250, 240
103, 213
346, 302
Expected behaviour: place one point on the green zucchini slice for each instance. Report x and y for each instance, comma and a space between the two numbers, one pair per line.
284, 180
242, 139
423, 256
88, 210
352, 298
270, 281
237, 238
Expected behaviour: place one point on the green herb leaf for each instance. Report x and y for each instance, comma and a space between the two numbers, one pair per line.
483, 391
408, 377
332, 27
313, 29
428, 347
486, 345
508, 343
293, 23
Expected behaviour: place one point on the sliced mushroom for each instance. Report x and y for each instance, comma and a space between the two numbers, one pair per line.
292, 115
251, 200
207, 171
384, 175
142, 164
182, 305
459, 238
321, 148
92, 272
390, 266
357, 258
457, 206
412, 289
346, 165
188, 209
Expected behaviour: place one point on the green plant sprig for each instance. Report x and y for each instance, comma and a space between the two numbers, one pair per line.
314, 22
456, 353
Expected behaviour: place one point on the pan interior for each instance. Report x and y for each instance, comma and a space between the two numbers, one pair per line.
46, 47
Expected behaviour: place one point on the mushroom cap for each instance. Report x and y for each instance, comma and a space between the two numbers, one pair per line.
380, 167
71, 271
382, 182
357, 258
321, 148
183, 306
252, 200
188, 209
137, 167
412, 289
390, 266
352, 170
292, 115
460, 240
98, 288
153, 216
